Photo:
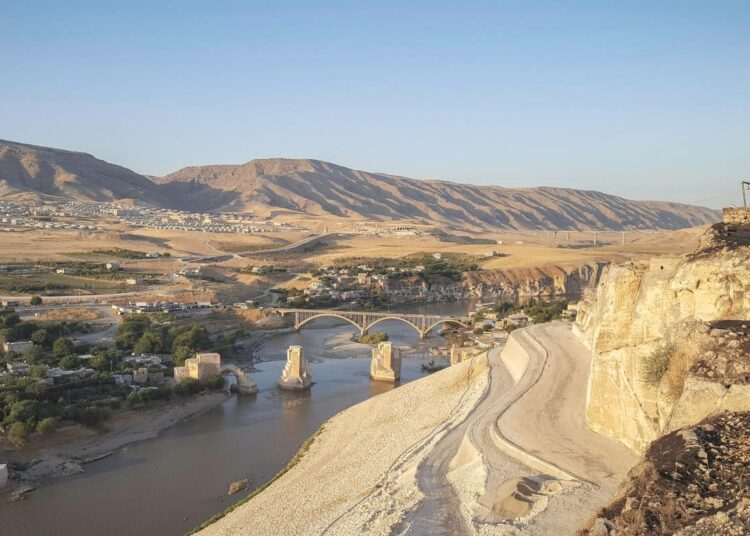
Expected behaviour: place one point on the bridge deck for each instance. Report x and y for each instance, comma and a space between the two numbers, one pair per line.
364, 320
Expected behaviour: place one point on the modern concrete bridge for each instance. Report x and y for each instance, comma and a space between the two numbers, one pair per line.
364, 320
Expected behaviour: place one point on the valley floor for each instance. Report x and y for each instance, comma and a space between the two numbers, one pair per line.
495, 445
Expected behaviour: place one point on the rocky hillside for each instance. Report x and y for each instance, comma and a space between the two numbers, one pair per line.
320, 188
29, 171
669, 340
691, 482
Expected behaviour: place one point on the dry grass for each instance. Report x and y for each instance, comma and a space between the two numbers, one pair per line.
71, 313
680, 362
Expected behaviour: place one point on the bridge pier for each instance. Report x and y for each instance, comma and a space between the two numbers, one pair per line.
386, 363
296, 374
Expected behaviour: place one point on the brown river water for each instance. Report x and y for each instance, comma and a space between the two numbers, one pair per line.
172, 483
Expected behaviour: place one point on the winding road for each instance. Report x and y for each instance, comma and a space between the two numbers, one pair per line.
530, 427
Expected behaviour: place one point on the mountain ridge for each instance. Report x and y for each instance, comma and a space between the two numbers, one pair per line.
322, 189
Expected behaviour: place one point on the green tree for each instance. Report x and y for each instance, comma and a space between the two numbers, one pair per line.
62, 347
131, 330
47, 426
195, 338
24, 411
105, 360
42, 337
18, 433
69, 362
37, 371
180, 354
36, 300
34, 355
151, 342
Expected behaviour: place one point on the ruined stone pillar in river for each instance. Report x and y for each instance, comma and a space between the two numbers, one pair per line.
296, 375
386, 363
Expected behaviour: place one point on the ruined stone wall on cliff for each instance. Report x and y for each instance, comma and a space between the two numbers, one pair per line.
666, 303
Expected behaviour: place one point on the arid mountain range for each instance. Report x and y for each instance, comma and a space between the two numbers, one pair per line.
322, 189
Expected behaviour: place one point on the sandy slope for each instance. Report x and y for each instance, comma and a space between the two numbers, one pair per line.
358, 475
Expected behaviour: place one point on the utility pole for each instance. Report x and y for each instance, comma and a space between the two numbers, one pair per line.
745, 187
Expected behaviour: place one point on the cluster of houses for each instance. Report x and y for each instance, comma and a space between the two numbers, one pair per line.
162, 307
44, 217
143, 366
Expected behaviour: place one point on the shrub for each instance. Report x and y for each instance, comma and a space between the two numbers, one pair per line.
62, 347
36, 300
47, 426
655, 365
69, 362
189, 386
180, 354
214, 382
373, 338
19, 433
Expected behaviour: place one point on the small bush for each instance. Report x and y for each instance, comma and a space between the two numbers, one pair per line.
373, 338
214, 382
187, 387
19, 433
47, 426
655, 365
36, 300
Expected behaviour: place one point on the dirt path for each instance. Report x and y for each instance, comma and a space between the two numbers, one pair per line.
525, 436
557, 430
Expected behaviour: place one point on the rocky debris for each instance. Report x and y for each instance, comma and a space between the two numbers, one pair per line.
692, 482
728, 359
238, 485
723, 238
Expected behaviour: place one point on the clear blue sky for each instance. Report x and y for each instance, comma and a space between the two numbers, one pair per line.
649, 100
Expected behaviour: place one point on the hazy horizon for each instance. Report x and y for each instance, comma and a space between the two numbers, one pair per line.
638, 100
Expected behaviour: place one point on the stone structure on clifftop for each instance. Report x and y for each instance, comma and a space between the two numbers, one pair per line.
386, 363
296, 375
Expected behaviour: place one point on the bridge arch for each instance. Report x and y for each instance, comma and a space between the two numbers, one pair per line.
332, 315
245, 384
443, 321
400, 319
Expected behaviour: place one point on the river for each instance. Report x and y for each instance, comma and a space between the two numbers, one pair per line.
172, 483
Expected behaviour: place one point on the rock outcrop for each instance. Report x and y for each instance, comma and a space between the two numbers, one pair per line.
691, 482
660, 359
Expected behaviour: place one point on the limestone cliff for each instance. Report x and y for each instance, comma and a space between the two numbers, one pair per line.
545, 282
660, 357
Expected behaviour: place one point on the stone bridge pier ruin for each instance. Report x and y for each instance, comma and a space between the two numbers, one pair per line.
296, 374
386, 363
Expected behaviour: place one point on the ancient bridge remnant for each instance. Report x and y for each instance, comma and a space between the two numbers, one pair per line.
204, 365
245, 384
296, 375
386, 362
364, 321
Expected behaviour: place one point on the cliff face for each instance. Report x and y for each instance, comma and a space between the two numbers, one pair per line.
660, 360
545, 282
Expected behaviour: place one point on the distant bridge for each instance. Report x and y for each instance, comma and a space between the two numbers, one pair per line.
364, 321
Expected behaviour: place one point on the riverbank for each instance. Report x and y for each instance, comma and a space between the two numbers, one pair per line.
71, 447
